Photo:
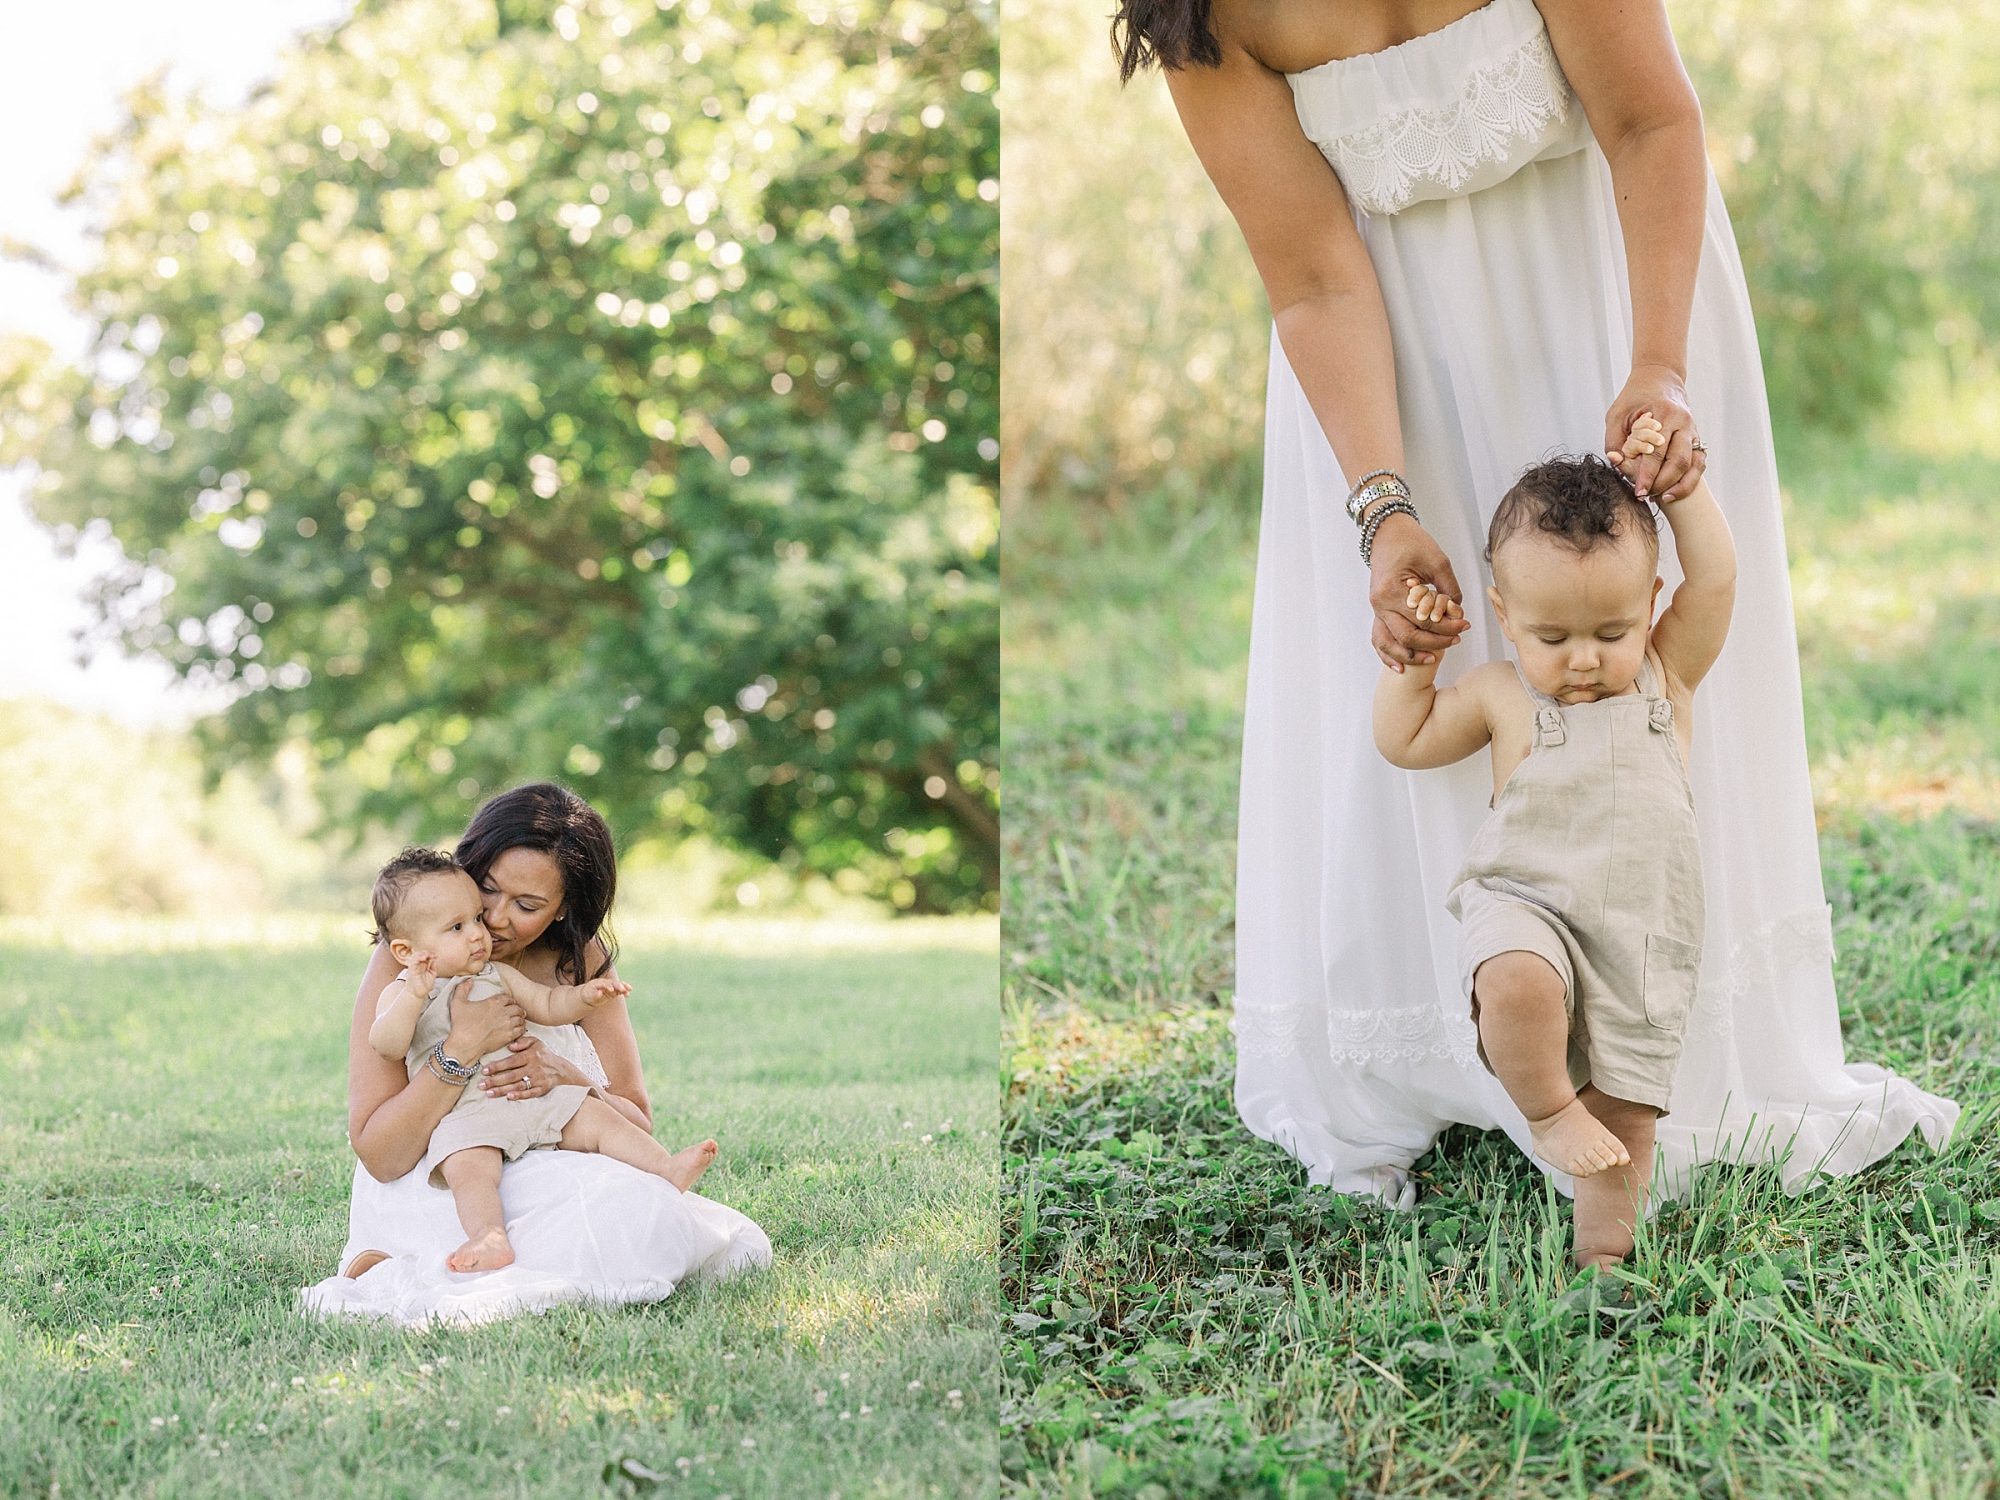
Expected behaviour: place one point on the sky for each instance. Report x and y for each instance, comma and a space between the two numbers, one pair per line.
65, 71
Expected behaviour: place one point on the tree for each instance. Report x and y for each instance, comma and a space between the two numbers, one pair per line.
602, 391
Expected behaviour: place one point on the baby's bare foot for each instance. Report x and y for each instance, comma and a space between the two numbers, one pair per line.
483, 1252
1575, 1141
684, 1168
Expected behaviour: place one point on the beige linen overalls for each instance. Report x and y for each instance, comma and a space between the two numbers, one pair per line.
478, 1119
1590, 861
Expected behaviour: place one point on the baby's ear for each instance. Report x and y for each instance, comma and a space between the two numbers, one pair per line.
400, 950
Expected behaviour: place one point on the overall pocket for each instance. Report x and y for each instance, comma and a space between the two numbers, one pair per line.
1667, 988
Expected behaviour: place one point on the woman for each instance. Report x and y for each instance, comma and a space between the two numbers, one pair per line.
582, 1225
1489, 233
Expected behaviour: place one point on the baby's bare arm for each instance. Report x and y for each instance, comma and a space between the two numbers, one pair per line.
558, 1005
1419, 726
1695, 623
396, 1015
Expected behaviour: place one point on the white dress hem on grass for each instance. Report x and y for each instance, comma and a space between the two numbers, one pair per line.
584, 1228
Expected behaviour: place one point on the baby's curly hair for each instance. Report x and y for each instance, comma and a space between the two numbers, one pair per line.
394, 883
1584, 501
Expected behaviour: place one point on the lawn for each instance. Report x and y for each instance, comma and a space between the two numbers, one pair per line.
1189, 1319
173, 1167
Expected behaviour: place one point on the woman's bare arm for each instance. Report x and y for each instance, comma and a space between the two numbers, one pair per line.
1622, 62
390, 1116
609, 1028
1326, 302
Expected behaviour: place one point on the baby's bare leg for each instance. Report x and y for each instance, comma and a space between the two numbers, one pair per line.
1608, 1205
473, 1175
599, 1128
1518, 1005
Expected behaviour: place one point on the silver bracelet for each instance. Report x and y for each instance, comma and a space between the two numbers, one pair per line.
1393, 508
450, 1069
1373, 486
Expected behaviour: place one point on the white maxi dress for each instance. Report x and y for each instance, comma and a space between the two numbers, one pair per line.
1487, 208
584, 1228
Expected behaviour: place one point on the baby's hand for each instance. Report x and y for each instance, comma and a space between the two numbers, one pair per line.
1427, 605
597, 991
422, 974
1645, 438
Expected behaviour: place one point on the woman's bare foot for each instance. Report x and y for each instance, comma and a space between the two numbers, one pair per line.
1575, 1141
684, 1168
487, 1251
1585, 1259
363, 1263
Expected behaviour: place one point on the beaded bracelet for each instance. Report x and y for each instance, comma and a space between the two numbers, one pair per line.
1374, 523
1373, 486
449, 1069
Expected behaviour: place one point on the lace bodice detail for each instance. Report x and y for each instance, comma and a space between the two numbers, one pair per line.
1449, 113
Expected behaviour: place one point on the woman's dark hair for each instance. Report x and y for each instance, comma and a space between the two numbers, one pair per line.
1582, 501
553, 820
1168, 34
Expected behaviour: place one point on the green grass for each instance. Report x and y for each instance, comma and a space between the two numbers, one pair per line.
173, 1167
1189, 1319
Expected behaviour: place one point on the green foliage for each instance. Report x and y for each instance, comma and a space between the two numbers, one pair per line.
1855, 148
98, 818
604, 392
175, 1168
1136, 327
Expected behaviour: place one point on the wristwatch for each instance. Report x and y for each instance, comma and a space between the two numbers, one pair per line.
450, 1069
1376, 485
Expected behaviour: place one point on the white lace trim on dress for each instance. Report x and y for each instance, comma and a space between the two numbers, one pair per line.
1758, 963
1761, 963
1512, 98
1411, 1033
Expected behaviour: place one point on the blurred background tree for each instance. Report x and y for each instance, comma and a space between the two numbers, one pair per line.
1854, 144
602, 391
1136, 330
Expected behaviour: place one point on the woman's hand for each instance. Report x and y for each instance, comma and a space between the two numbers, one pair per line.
1404, 551
483, 1026
1675, 470
528, 1071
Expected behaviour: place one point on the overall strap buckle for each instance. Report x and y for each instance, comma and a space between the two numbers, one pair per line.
1661, 714
1549, 726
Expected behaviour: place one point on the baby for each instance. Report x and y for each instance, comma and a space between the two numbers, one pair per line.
1580, 902
428, 910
